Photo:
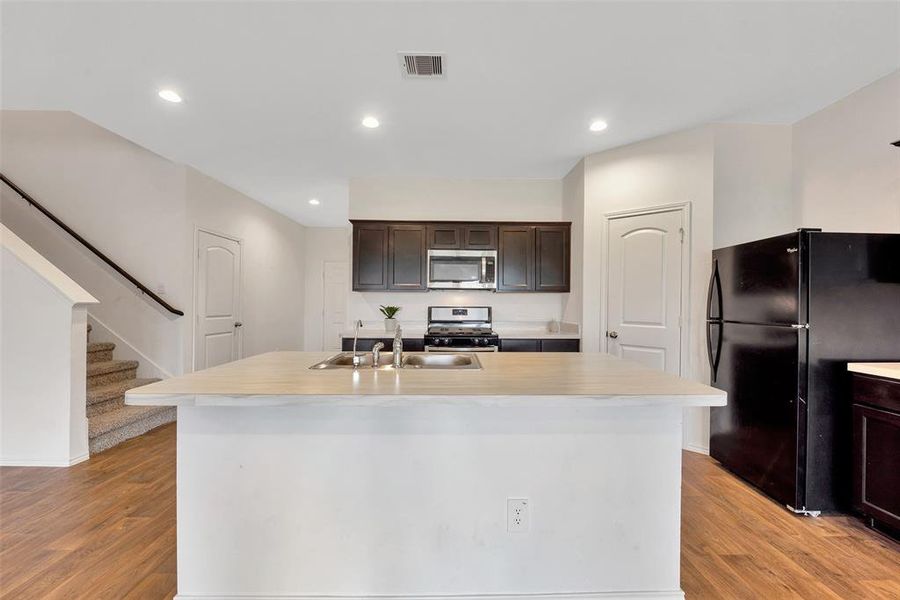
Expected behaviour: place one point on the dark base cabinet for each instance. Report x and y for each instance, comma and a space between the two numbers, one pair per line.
520, 345
549, 345
365, 344
876, 450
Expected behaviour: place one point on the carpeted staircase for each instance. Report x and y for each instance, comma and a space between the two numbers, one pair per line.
110, 421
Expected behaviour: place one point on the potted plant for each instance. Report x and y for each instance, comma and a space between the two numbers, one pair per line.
390, 323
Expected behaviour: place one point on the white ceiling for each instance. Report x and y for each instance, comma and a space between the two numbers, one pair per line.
274, 92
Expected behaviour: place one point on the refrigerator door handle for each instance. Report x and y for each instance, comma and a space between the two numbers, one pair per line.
715, 293
714, 356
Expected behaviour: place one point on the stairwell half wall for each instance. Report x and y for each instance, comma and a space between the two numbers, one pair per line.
143, 210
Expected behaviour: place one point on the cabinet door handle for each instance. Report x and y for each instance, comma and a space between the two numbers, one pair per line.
612, 334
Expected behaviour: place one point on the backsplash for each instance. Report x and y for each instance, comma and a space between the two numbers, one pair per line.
518, 308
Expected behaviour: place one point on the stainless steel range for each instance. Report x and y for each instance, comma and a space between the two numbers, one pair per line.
460, 329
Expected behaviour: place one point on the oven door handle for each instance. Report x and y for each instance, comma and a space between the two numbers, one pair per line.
466, 349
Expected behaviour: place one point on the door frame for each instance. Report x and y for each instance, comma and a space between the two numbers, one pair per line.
195, 286
347, 281
684, 364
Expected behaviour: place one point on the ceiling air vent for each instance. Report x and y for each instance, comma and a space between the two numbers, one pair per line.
427, 66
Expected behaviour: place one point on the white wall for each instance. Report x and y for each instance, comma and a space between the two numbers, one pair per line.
43, 353
666, 170
412, 198
143, 211
573, 210
272, 262
846, 173
126, 200
405, 198
323, 244
752, 183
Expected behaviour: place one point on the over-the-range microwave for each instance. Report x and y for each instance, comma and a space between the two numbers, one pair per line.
462, 269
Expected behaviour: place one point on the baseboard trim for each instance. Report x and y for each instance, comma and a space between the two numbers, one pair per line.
30, 462
658, 595
697, 449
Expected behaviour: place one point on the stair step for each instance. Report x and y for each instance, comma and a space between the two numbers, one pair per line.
114, 427
110, 371
100, 352
110, 391
98, 408
104, 398
110, 366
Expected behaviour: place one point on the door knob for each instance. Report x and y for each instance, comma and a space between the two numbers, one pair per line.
612, 334
238, 324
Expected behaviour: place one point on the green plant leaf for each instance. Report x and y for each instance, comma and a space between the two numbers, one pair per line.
389, 311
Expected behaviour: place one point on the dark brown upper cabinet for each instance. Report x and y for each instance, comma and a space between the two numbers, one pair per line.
465, 236
532, 257
444, 236
407, 258
370, 256
551, 258
479, 237
515, 272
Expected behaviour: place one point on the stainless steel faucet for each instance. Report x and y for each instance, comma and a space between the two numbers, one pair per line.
398, 348
356, 359
376, 354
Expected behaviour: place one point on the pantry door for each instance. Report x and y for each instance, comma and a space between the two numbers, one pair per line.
645, 278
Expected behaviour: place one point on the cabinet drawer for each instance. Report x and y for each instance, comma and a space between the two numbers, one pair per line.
520, 345
876, 464
557, 345
876, 391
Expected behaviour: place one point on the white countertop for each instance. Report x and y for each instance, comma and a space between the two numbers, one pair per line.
890, 370
507, 379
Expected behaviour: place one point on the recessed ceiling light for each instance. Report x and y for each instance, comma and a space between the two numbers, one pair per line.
314, 201
598, 125
169, 95
370, 122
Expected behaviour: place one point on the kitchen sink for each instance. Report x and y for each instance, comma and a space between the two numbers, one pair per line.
344, 360
411, 360
442, 360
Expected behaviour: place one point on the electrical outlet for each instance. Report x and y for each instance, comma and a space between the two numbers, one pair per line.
518, 515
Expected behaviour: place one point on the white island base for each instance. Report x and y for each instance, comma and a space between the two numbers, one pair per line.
382, 490
309, 502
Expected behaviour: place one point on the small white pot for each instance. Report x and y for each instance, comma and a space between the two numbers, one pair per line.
390, 325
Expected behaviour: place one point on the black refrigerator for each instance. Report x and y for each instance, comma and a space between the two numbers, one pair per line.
785, 315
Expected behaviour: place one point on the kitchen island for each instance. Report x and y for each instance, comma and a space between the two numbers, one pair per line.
300, 483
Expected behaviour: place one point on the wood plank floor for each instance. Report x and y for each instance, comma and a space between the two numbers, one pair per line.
106, 529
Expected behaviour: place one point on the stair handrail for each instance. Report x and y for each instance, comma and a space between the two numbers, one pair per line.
140, 286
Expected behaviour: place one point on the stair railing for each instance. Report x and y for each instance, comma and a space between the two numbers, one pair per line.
140, 286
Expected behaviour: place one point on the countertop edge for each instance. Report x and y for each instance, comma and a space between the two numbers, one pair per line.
888, 370
503, 401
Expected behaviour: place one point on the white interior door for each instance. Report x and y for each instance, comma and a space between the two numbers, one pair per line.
644, 289
336, 283
218, 272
